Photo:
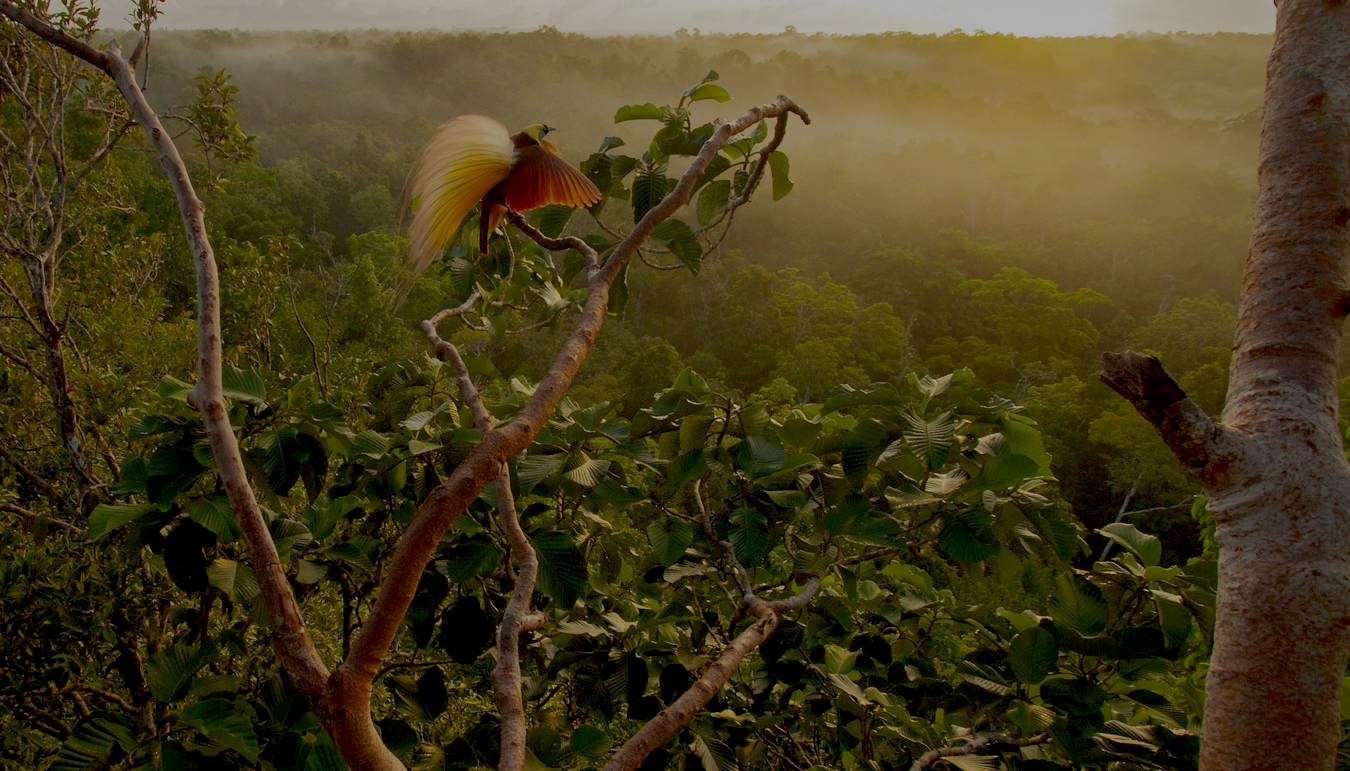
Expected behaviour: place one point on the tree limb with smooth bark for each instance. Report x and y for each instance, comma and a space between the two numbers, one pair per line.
1274, 471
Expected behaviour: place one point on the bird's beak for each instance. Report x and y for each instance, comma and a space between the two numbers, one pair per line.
545, 130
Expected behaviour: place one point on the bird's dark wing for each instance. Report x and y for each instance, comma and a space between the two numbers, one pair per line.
540, 176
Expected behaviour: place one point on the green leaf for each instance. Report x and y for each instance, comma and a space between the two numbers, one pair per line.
369, 442
778, 169
584, 470
284, 457
758, 456
1002, 472
609, 143
686, 468
716, 166
646, 111
172, 469
966, 538
553, 218
676, 236
242, 384
1144, 546
1024, 439
469, 558
1033, 655
669, 538
649, 187
931, 440
749, 535
713, 753
589, 742
708, 91
92, 744
1078, 604
171, 387
107, 517
562, 569
224, 723
169, 671
712, 199
1173, 617
862, 446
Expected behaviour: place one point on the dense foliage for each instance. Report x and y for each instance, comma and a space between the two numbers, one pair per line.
877, 392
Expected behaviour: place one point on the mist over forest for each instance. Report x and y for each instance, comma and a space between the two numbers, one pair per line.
1123, 164
1114, 175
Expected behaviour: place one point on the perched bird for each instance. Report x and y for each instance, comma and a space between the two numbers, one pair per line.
472, 159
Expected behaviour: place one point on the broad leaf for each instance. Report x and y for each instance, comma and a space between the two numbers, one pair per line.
1078, 604
224, 723
1033, 655
1144, 546
562, 569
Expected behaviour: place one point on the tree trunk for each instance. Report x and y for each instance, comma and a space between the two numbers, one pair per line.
1275, 472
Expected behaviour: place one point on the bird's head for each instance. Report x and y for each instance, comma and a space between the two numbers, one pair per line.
536, 131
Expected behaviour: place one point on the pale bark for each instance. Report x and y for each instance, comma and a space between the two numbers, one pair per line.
290, 637
483, 465
1274, 473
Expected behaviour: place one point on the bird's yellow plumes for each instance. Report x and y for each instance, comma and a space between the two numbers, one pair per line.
472, 159
464, 160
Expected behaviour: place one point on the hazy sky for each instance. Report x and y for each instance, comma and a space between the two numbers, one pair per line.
1021, 17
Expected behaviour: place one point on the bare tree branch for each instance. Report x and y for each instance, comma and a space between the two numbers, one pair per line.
974, 746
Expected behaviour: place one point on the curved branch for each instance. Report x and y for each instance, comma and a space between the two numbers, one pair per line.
672, 719
975, 745
1188, 431
294, 647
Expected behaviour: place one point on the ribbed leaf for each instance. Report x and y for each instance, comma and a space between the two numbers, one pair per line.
562, 569
967, 537
553, 218
974, 762
584, 470
224, 723
649, 187
712, 199
242, 384
931, 440
1078, 604
861, 449
1002, 472
1144, 546
758, 456
589, 742
708, 91
470, 557
714, 753
107, 517
1033, 655
168, 671
214, 513
669, 538
646, 111
369, 442
93, 742
749, 535
676, 236
946, 483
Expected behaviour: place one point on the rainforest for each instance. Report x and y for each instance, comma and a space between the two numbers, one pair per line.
838, 464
